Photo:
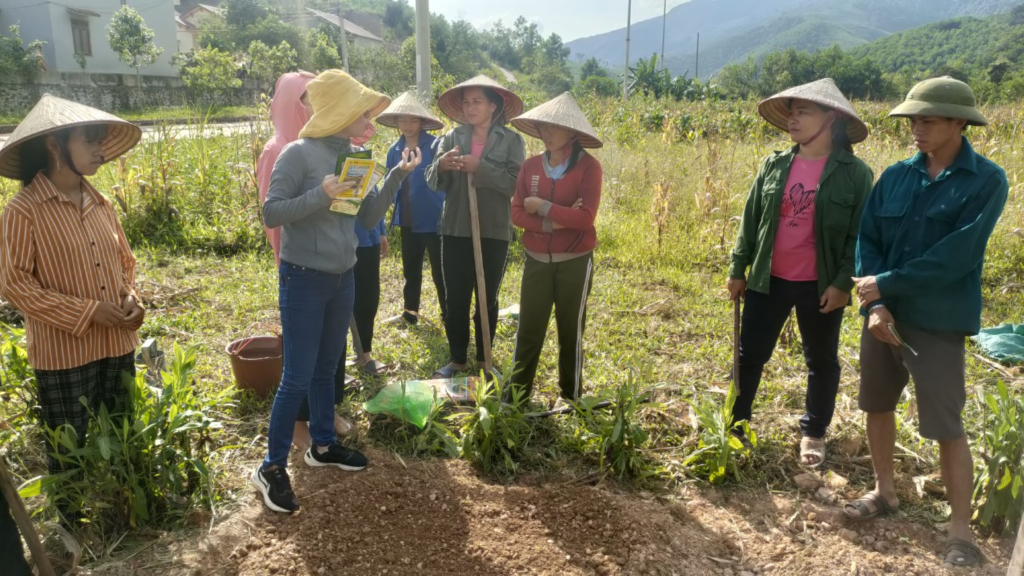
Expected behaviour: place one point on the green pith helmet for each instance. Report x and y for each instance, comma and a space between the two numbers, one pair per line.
946, 97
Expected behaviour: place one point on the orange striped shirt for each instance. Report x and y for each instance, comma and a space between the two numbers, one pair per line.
58, 262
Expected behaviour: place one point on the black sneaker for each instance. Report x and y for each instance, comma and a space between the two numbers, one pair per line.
276, 489
336, 455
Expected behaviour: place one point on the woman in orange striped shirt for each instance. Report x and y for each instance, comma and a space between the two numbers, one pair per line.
65, 262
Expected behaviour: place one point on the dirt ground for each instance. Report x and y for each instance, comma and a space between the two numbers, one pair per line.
437, 517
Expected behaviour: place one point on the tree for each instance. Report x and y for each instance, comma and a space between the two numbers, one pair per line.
18, 60
1017, 15
241, 14
267, 64
207, 72
398, 17
323, 52
132, 40
592, 68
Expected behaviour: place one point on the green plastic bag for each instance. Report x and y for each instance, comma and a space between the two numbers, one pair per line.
409, 401
1004, 343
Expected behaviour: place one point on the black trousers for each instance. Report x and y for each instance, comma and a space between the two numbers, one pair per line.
460, 285
12, 557
416, 245
764, 316
364, 312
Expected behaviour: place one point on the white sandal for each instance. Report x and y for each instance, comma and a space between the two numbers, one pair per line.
814, 448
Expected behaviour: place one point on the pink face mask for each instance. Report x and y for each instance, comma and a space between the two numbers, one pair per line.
370, 132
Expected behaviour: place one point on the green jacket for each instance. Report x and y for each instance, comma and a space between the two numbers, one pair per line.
495, 182
839, 202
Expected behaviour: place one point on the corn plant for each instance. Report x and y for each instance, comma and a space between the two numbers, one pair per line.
719, 448
148, 465
495, 431
1000, 474
620, 437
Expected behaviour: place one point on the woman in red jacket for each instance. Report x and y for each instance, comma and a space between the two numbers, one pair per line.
555, 204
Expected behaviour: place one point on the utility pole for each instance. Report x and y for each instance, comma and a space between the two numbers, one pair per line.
696, 66
664, 22
423, 49
625, 74
344, 36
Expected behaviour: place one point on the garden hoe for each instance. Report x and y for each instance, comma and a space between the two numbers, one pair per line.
24, 522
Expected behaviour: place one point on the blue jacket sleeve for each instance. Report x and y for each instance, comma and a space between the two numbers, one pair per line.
957, 254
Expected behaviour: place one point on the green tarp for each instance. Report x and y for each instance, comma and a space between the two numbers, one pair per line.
1004, 343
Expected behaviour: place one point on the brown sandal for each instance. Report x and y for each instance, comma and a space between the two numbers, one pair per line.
863, 512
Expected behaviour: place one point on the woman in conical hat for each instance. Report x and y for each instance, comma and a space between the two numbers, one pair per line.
65, 262
417, 208
483, 149
556, 202
318, 253
796, 248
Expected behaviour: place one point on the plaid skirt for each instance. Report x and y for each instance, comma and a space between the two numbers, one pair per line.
100, 382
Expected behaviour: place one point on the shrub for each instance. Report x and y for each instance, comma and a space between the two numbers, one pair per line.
208, 72
599, 86
495, 432
619, 438
18, 61
266, 64
1000, 475
718, 449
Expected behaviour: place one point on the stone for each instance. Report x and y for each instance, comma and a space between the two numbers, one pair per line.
835, 481
849, 535
808, 481
851, 446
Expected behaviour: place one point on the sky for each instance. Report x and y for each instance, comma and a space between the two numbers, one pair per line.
570, 19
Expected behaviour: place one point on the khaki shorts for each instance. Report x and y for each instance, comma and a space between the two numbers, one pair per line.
937, 370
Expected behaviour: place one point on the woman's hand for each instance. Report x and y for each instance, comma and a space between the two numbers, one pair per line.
410, 160
532, 204
133, 313
333, 188
833, 299
449, 162
108, 314
469, 164
384, 247
737, 288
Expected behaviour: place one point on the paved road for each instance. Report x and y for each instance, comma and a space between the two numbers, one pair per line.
184, 130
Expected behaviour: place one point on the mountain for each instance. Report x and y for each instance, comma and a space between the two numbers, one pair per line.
732, 30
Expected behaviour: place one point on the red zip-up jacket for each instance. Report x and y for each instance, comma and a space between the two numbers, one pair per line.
582, 182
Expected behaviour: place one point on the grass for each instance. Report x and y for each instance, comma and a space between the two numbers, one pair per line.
672, 194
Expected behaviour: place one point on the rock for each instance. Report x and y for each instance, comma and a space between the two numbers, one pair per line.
851, 446
881, 546
835, 481
745, 573
849, 535
812, 516
808, 481
824, 494
825, 526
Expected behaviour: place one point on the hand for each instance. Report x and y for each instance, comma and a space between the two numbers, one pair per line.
410, 160
333, 188
833, 299
577, 204
867, 290
108, 314
449, 161
532, 204
469, 163
384, 247
737, 288
133, 313
878, 325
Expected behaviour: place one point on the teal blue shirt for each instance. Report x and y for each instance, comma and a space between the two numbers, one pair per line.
925, 239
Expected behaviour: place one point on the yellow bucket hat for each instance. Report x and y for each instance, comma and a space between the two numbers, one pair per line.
338, 100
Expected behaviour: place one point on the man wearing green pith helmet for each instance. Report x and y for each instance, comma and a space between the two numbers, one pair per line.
920, 255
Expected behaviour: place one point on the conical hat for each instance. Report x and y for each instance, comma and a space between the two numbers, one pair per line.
562, 111
408, 105
451, 101
825, 92
52, 114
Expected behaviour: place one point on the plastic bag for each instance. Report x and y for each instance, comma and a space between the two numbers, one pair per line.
409, 401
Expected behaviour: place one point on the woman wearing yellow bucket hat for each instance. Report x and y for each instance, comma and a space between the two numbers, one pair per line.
66, 265
316, 285
481, 151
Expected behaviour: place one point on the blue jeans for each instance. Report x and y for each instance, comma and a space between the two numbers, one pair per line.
315, 311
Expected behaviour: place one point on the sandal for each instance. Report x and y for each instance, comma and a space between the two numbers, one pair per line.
962, 553
813, 448
864, 512
373, 368
446, 372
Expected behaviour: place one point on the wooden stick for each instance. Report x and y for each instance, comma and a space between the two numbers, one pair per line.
24, 522
1017, 560
736, 345
481, 283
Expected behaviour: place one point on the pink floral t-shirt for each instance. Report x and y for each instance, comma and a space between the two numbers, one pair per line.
795, 255
478, 149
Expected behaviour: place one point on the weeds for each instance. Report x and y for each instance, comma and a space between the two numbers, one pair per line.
719, 449
1000, 474
617, 433
494, 432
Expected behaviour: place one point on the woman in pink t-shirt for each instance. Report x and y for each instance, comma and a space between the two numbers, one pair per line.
796, 249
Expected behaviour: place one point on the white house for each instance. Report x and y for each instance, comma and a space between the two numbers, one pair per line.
357, 35
80, 26
189, 24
